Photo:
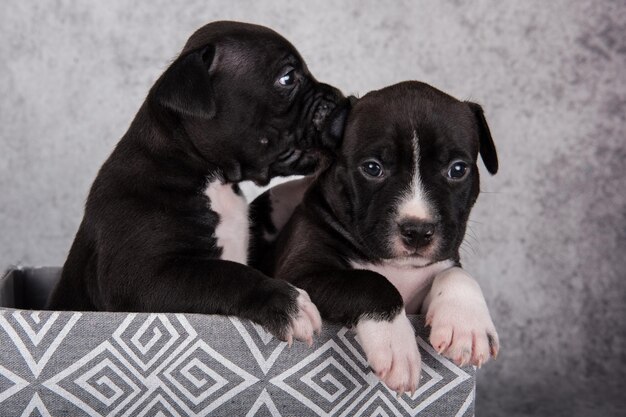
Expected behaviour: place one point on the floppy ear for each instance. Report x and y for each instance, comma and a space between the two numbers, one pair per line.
185, 87
486, 145
333, 134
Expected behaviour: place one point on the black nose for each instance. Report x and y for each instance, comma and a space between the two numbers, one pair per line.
416, 234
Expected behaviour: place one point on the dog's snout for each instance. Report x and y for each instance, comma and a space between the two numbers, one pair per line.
417, 233
321, 113
326, 100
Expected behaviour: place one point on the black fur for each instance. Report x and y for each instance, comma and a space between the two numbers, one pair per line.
261, 224
263, 231
146, 242
347, 216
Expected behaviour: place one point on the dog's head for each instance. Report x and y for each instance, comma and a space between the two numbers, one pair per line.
406, 176
246, 100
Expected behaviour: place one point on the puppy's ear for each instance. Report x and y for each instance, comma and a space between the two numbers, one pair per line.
333, 133
486, 145
185, 87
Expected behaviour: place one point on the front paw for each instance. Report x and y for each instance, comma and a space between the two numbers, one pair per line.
391, 351
288, 313
305, 321
462, 331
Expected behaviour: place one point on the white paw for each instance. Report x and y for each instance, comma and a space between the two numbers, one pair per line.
391, 351
306, 321
462, 330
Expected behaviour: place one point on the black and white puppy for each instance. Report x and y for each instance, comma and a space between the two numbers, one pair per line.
378, 233
165, 225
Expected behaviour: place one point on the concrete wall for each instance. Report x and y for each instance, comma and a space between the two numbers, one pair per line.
549, 230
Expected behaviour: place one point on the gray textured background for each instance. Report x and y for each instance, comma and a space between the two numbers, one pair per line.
550, 227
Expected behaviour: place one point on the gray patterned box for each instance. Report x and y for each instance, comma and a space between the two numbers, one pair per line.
89, 364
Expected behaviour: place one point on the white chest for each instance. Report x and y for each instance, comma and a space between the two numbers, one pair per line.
413, 283
232, 231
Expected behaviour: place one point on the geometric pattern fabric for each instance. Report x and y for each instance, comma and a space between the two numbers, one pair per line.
116, 364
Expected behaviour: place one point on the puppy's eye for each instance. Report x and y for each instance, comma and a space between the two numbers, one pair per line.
458, 170
288, 79
372, 168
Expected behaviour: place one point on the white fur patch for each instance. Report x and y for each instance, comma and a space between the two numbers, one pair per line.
461, 326
409, 276
285, 198
232, 232
414, 202
306, 322
391, 350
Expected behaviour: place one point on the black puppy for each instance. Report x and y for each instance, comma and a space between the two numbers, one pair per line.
378, 233
165, 225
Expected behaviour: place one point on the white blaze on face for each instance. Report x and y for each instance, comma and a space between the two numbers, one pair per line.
232, 231
414, 202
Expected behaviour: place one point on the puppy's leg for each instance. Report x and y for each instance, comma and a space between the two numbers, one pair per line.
210, 286
461, 327
391, 350
368, 301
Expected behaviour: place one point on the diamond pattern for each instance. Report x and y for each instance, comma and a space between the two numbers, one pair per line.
264, 347
147, 340
202, 379
37, 341
325, 380
181, 365
101, 380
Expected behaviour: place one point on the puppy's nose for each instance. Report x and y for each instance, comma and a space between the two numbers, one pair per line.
416, 233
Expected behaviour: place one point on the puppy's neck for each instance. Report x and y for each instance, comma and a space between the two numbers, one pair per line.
322, 200
152, 136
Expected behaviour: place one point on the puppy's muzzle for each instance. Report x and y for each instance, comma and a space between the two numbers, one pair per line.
321, 113
416, 234
319, 108
307, 144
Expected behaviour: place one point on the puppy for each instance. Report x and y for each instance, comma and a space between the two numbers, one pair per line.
165, 226
378, 233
